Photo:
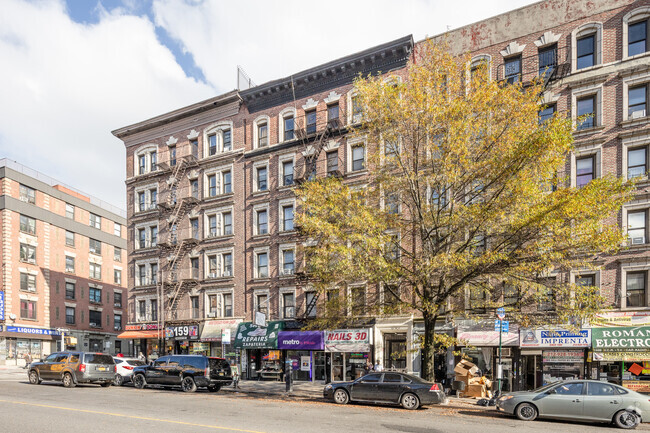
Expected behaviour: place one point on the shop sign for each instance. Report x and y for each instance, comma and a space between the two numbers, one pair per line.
216, 330
142, 327
252, 336
554, 338
305, 363
300, 340
621, 355
562, 356
347, 340
225, 336
35, 331
637, 385
2, 305
621, 318
183, 331
624, 337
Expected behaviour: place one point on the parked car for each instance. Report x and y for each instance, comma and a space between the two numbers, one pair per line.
389, 388
580, 400
124, 369
186, 371
72, 367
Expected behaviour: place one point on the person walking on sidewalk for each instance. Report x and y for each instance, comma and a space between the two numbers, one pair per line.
28, 359
378, 368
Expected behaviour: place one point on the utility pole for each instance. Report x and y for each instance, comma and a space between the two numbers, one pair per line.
501, 315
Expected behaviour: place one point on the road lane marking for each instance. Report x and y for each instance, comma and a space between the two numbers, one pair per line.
96, 412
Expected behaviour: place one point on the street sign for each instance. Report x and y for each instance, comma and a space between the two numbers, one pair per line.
501, 313
504, 328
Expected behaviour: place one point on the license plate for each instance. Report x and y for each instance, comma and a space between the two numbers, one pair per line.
102, 368
220, 374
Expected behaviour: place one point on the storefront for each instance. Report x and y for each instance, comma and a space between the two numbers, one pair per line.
550, 355
218, 336
143, 339
347, 351
443, 362
184, 339
481, 342
260, 357
305, 349
16, 341
621, 355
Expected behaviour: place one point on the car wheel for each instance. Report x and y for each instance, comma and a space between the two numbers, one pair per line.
68, 381
119, 380
341, 396
410, 401
188, 384
214, 388
33, 378
526, 412
139, 381
626, 419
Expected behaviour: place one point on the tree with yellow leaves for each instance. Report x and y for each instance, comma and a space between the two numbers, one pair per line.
465, 197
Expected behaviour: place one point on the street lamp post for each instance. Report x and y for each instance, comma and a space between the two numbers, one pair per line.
501, 314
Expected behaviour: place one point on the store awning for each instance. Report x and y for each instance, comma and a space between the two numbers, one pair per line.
139, 334
252, 336
213, 329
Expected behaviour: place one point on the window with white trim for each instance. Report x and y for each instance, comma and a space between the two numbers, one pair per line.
287, 259
261, 178
287, 217
27, 225
146, 159
262, 264
357, 300
69, 264
357, 156
262, 303
637, 101
220, 304
146, 236
218, 182
95, 221
637, 226
286, 123
27, 282
261, 221
219, 264
286, 171
635, 32
288, 300
218, 139
27, 253
586, 46
636, 284
637, 162
27, 194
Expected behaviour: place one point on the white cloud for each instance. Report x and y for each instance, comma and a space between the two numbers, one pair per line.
65, 86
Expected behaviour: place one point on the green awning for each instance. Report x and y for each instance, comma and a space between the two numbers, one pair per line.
251, 336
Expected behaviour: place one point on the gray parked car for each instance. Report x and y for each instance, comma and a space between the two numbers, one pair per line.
72, 367
580, 400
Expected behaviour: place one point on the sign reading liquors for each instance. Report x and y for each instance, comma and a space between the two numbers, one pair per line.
554, 338
627, 338
35, 331
2, 305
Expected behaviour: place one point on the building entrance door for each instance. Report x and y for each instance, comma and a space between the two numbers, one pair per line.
532, 371
338, 366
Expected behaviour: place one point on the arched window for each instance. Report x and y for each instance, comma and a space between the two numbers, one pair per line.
261, 127
145, 159
217, 139
286, 125
587, 46
635, 32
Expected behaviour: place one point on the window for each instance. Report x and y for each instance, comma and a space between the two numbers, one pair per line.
220, 265
69, 315
393, 248
310, 117
27, 309
288, 305
357, 109
288, 262
261, 179
142, 164
212, 144
332, 163
194, 185
153, 268
635, 289
477, 300
70, 290
27, 225
117, 323
636, 227
227, 140
594, 388
95, 319
333, 115
69, 211
586, 280
172, 156
392, 203
262, 222
636, 162
27, 282
547, 113
142, 309
69, 239
117, 254
154, 161
194, 228
154, 309
27, 253
585, 170
212, 185
357, 300
95, 246
288, 122
637, 35
262, 134
358, 157
512, 68
287, 218
95, 221
117, 230
546, 299
262, 304
547, 59
95, 295
227, 264
117, 300
310, 301
27, 194
437, 198
227, 223
586, 51
227, 182
194, 148
153, 198
141, 202
637, 98
570, 389
194, 301
586, 108
262, 265
117, 276
142, 238
95, 271
69, 264
287, 173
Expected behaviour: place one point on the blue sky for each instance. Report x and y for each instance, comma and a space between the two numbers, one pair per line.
74, 70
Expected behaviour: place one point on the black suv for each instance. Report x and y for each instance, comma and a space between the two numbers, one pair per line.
74, 367
186, 371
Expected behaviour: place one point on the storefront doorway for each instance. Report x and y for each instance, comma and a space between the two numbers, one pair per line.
532, 367
394, 352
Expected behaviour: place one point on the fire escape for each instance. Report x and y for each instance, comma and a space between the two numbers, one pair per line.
178, 238
550, 65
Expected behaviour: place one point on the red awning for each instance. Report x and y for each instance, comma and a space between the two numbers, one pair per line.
139, 334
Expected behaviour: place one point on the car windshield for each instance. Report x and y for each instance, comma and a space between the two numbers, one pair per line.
98, 358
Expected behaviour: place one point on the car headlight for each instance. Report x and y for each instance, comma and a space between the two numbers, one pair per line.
328, 387
505, 397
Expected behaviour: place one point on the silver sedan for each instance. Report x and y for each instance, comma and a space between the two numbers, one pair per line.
580, 400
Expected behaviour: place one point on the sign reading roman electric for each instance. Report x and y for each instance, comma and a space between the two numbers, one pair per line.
554, 338
347, 340
624, 337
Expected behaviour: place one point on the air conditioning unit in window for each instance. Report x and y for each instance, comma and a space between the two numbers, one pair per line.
637, 114
638, 241
506, 352
287, 271
212, 314
212, 275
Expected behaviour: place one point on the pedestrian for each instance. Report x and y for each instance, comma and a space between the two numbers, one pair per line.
140, 356
378, 367
368, 367
28, 359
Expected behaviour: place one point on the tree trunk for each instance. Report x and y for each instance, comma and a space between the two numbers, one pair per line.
428, 348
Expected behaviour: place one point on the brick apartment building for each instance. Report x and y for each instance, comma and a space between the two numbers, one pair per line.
211, 201
63, 256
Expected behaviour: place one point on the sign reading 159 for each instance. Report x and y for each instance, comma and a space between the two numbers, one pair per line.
183, 331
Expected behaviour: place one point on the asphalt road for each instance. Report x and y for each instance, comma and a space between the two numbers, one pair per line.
89, 408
